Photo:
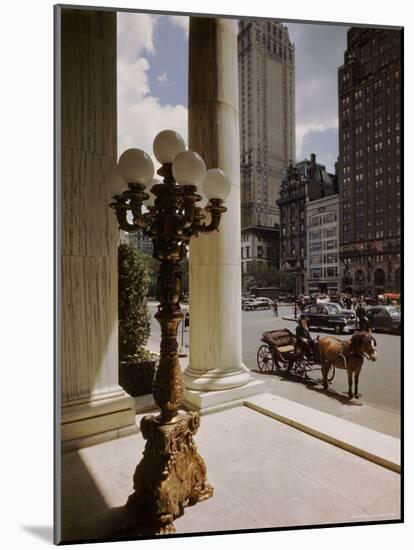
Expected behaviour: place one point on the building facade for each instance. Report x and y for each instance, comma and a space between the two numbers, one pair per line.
322, 217
141, 241
123, 237
305, 182
260, 244
369, 86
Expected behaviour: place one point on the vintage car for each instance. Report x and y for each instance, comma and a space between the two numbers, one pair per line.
329, 316
384, 318
257, 303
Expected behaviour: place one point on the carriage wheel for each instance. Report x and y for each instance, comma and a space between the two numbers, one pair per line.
299, 367
331, 373
265, 359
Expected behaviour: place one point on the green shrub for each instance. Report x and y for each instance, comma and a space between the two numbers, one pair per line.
137, 378
134, 318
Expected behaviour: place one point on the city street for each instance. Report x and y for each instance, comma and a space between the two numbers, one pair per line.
379, 382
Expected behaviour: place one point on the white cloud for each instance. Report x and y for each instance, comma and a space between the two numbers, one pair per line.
163, 77
140, 115
181, 21
316, 126
135, 34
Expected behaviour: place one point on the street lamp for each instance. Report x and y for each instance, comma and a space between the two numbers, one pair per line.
171, 473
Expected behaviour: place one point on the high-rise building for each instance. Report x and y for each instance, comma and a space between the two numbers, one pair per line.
267, 119
305, 182
369, 86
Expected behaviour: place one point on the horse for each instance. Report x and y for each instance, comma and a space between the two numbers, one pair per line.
347, 354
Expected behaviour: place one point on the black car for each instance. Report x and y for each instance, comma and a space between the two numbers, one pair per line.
384, 318
329, 316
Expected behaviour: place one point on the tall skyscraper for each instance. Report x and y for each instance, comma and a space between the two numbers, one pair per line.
267, 134
369, 85
267, 117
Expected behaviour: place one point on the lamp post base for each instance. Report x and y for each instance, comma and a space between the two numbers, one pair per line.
170, 476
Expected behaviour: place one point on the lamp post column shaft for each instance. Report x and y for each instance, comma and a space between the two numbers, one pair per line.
168, 385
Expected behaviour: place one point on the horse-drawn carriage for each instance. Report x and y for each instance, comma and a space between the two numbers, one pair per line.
281, 349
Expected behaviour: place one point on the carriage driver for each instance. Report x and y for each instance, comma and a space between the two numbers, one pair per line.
304, 339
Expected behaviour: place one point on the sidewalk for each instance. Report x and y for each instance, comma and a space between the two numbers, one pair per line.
265, 474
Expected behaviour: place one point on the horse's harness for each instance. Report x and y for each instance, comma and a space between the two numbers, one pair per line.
353, 352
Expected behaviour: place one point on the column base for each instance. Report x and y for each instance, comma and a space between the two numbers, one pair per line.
97, 419
216, 379
212, 401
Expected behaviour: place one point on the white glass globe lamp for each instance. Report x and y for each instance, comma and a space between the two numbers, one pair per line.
216, 184
136, 166
167, 145
189, 168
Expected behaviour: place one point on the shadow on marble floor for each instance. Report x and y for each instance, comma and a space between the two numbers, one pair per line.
85, 513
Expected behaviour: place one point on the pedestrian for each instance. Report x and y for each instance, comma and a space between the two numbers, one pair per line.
360, 313
275, 308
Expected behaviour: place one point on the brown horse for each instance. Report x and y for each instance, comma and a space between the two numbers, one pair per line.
347, 354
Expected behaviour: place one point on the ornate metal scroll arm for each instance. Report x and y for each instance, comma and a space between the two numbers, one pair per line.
121, 208
132, 200
216, 210
136, 195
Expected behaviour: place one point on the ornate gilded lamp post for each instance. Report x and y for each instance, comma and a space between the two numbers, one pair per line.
172, 473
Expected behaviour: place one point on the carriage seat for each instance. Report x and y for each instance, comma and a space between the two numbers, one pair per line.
283, 340
286, 349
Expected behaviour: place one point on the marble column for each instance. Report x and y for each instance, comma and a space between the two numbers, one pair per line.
94, 407
216, 373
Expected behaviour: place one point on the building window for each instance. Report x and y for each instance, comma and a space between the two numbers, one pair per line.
331, 272
316, 272
329, 233
315, 235
315, 260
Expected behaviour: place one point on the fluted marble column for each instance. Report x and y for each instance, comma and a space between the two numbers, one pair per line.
94, 407
215, 361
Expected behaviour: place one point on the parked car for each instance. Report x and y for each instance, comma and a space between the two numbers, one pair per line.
257, 303
329, 316
384, 318
265, 299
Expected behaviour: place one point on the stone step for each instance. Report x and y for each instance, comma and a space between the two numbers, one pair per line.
369, 444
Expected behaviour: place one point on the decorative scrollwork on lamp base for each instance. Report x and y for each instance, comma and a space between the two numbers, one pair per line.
171, 474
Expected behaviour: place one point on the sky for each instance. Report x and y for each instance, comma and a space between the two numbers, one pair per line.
152, 82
